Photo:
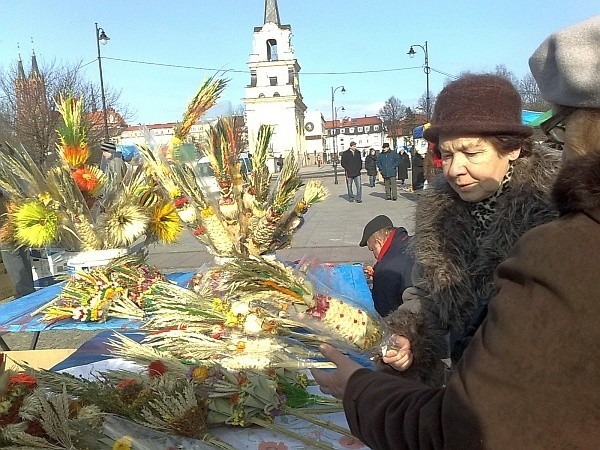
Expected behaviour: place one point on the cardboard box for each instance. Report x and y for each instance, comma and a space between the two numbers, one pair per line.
46, 264
7, 288
38, 359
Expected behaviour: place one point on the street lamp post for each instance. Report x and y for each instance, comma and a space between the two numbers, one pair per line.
102, 38
335, 158
426, 69
335, 121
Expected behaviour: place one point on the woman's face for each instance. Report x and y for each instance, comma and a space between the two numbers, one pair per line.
473, 166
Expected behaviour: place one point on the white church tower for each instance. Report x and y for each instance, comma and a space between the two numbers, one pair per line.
273, 96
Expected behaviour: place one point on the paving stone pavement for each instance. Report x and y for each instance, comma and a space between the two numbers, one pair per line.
330, 233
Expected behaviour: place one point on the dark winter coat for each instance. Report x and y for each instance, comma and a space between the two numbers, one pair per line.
371, 165
403, 166
456, 268
529, 378
387, 163
392, 274
352, 163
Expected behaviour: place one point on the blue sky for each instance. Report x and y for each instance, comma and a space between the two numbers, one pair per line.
331, 38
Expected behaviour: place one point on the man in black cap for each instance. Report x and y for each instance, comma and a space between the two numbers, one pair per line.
392, 271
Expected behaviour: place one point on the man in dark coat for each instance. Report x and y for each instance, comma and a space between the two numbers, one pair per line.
392, 272
387, 163
352, 164
404, 165
529, 378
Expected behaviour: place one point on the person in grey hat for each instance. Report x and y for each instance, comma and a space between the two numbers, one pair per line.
529, 378
392, 271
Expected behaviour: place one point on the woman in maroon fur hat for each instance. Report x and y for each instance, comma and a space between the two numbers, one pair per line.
529, 378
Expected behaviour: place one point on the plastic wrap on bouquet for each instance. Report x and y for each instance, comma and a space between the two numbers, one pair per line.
129, 435
302, 298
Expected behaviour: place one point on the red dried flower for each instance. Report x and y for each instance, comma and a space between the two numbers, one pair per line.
126, 382
157, 369
22, 379
85, 179
200, 230
180, 201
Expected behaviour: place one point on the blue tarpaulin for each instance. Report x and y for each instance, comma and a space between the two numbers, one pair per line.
128, 152
529, 116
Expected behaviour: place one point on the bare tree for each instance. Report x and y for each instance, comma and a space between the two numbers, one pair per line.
422, 104
28, 111
502, 70
531, 95
392, 114
241, 130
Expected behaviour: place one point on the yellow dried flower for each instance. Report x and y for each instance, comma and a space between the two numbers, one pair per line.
200, 374
207, 212
35, 224
45, 198
123, 443
165, 223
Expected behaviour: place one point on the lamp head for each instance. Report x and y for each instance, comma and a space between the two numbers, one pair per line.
411, 52
343, 91
102, 37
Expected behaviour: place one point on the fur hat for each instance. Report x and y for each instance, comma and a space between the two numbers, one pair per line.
567, 65
378, 223
477, 105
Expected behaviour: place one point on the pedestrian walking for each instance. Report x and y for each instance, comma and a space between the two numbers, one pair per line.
371, 166
387, 163
352, 163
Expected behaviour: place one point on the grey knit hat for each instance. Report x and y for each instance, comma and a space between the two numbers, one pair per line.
481, 104
567, 65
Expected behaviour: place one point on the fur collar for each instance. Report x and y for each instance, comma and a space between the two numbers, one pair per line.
577, 185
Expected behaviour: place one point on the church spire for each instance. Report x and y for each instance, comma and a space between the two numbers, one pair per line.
35, 71
272, 12
20, 70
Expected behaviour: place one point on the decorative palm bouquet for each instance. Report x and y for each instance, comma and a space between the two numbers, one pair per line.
50, 410
249, 216
75, 205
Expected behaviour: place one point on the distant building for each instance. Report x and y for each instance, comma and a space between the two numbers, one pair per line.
116, 122
33, 121
404, 132
273, 95
316, 136
366, 131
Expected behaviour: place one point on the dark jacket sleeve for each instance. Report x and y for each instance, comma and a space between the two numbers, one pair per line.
387, 412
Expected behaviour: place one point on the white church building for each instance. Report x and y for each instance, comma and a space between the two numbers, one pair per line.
273, 95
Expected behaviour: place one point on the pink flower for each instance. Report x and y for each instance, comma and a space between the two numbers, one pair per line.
350, 442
